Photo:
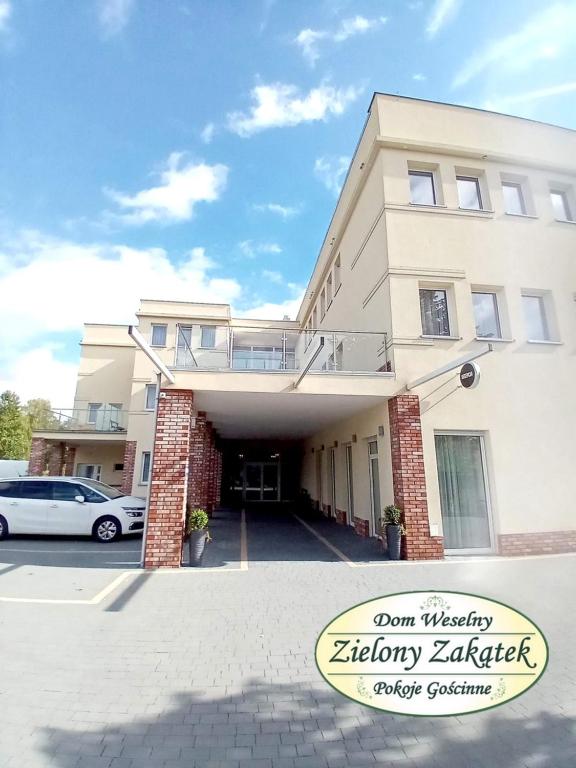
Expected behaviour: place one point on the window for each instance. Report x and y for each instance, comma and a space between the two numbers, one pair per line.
434, 312
67, 491
561, 205
315, 319
36, 489
322, 303
513, 198
486, 315
208, 337
329, 290
469, 194
93, 409
145, 472
150, 397
535, 316
118, 467
422, 191
9, 490
92, 471
184, 357
337, 278
159, 335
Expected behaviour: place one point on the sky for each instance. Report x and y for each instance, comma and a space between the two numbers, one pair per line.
195, 149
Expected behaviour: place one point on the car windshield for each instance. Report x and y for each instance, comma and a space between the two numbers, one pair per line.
107, 490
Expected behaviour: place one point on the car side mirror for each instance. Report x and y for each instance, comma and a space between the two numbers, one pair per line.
79, 499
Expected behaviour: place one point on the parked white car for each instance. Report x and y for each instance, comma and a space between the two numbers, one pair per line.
68, 506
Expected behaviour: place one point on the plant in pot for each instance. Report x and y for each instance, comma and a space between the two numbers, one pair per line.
392, 522
197, 534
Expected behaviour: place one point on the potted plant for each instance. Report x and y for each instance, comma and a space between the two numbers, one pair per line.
392, 522
197, 534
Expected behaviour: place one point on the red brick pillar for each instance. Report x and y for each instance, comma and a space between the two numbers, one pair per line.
218, 477
37, 461
212, 491
196, 485
206, 464
69, 460
128, 470
169, 480
409, 479
56, 459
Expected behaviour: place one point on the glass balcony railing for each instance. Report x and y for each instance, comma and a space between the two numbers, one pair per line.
93, 419
279, 349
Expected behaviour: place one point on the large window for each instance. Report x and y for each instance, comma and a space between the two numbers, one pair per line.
93, 409
561, 205
463, 491
434, 312
469, 194
92, 471
537, 328
208, 337
513, 198
159, 335
486, 315
422, 190
150, 397
184, 357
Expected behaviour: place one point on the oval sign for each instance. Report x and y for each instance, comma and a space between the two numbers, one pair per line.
470, 375
431, 653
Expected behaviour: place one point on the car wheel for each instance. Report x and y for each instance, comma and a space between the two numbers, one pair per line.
107, 529
3, 527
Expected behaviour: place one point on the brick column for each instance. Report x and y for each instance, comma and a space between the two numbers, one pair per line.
56, 459
196, 485
169, 480
206, 490
69, 460
409, 479
37, 461
128, 471
218, 477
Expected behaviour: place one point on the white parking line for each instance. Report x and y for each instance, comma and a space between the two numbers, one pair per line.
327, 544
93, 601
65, 551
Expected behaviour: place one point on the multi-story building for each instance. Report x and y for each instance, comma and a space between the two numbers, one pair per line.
455, 229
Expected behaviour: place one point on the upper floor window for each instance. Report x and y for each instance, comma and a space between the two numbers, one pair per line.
315, 318
158, 335
537, 326
145, 467
514, 201
93, 409
434, 312
469, 193
337, 278
329, 290
150, 397
323, 303
561, 205
486, 315
422, 187
208, 336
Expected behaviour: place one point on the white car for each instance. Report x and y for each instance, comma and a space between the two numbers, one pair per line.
70, 506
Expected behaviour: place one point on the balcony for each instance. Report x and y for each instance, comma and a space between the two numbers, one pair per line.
248, 348
95, 419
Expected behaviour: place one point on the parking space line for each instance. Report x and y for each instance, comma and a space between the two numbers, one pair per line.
330, 546
55, 601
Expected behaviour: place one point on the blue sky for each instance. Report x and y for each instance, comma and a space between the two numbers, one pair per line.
194, 150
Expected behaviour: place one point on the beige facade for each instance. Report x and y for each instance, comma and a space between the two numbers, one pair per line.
455, 228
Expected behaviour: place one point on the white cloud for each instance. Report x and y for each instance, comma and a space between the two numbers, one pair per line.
279, 105
284, 211
114, 15
419, 77
38, 373
272, 311
547, 34
506, 103
5, 14
331, 172
308, 39
273, 277
250, 249
208, 133
182, 186
443, 12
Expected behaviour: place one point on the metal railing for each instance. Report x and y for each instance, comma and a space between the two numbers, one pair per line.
248, 348
102, 419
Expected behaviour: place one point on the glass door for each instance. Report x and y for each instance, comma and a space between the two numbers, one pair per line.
332, 457
350, 485
464, 500
374, 484
261, 481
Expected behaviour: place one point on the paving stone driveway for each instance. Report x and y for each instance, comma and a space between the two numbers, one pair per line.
216, 669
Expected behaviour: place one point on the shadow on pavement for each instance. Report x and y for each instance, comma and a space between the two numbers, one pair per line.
289, 725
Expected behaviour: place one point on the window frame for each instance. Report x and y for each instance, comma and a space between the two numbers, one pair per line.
544, 316
422, 172
96, 407
445, 291
519, 186
563, 194
154, 326
145, 464
212, 330
148, 389
496, 307
476, 180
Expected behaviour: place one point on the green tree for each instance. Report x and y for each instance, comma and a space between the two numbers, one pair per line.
14, 430
40, 415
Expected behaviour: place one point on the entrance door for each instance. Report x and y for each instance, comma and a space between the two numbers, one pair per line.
464, 499
261, 481
350, 484
374, 484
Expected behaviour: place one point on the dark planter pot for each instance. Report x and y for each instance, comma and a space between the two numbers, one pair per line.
393, 540
196, 544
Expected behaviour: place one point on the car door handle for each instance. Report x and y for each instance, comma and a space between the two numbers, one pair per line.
53, 506
13, 503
